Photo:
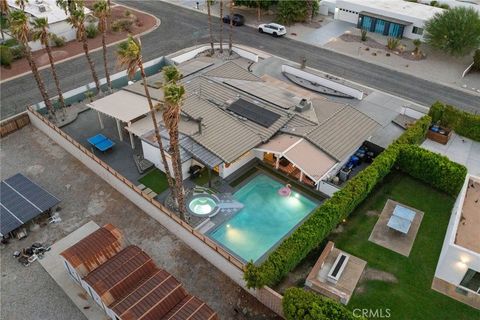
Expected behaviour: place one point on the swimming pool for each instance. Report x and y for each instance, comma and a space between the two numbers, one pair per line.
265, 219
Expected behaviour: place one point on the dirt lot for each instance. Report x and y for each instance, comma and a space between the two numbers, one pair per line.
29, 292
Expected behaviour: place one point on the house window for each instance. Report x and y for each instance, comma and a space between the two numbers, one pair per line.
417, 30
471, 280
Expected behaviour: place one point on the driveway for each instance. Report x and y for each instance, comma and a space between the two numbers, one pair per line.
322, 35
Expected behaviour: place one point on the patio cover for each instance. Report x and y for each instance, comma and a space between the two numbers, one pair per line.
122, 105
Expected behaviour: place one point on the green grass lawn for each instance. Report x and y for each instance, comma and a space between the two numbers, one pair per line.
412, 297
155, 180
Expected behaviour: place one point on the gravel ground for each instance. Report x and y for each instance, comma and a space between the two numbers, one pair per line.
30, 293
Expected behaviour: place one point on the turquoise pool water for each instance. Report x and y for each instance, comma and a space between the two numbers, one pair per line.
266, 218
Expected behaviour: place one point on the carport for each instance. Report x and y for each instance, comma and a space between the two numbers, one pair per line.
22, 200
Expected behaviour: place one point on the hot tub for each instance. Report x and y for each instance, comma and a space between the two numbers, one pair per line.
203, 205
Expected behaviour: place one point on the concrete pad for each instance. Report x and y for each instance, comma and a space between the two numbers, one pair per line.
391, 239
320, 36
53, 264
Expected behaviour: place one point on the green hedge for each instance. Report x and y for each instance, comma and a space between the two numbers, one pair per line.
432, 168
463, 123
306, 305
320, 223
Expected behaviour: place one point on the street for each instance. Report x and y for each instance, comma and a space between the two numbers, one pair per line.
181, 28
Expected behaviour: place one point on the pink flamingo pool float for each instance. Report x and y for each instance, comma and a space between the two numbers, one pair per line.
285, 191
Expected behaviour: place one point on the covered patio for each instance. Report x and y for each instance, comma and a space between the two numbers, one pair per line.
297, 158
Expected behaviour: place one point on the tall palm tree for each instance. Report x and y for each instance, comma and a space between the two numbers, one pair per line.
173, 96
309, 5
209, 3
40, 32
21, 4
101, 10
77, 20
19, 26
129, 55
221, 26
4, 9
230, 32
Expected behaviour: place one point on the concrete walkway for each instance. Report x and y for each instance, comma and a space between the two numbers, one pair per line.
459, 149
319, 36
53, 264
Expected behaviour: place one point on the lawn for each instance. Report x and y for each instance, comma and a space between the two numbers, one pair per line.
411, 297
155, 180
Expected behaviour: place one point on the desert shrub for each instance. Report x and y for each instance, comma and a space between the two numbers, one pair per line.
58, 41
393, 43
364, 35
300, 304
434, 3
123, 24
464, 123
10, 42
432, 168
91, 31
18, 51
6, 57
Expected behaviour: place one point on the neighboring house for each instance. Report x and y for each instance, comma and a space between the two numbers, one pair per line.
458, 270
57, 19
393, 18
125, 281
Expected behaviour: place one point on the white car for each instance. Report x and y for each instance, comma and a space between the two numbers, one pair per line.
274, 29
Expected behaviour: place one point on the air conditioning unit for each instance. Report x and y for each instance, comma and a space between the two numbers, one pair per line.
303, 105
42, 8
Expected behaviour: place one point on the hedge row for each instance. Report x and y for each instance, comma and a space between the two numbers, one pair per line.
432, 168
463, 123
305, 305
320, 223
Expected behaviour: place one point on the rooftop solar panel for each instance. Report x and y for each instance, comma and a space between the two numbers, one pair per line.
254, 113
22, 200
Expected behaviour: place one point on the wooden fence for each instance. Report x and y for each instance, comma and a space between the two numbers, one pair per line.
13, 124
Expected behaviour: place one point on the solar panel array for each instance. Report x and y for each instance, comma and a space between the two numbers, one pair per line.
21, 200
254, 113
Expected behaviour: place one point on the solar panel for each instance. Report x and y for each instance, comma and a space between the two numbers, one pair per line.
22, 200
254, 113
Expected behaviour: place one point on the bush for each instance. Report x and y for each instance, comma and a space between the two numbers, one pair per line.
91, 31
290, 11
306, 305
12, 42
123, 24
476, 60
432, 168
320, 223
57, 41
434, 3
463, 123
6, 57
393, 43
364, 35
18, 51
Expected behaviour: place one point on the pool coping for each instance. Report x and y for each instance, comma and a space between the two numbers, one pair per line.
263, 257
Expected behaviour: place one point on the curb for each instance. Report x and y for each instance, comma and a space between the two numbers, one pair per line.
157, 24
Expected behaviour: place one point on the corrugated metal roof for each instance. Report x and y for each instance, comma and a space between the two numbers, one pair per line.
121, 274
340, 135
231, 70
222, 134
95, 249
199, 152
191, 308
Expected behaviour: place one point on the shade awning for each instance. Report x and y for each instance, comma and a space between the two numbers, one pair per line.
279, 144
122, 105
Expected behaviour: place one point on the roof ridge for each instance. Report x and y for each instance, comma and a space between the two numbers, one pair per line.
179, 286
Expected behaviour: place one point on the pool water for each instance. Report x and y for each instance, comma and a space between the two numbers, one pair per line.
265, 219
202, 205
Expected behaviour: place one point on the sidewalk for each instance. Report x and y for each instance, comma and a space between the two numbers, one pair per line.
326, 33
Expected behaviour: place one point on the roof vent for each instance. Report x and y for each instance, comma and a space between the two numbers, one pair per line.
42, 8
303, 105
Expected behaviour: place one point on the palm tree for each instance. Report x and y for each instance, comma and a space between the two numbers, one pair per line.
230, 32
40, 32
209, 3
102, 12
21, 4
4, 9
19, 26
77, 20
173, 96
129, 54
309, 5
221, 26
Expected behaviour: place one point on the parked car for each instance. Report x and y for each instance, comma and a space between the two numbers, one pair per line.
274, 29
238, 19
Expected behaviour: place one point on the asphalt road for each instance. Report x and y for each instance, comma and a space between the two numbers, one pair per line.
181, 28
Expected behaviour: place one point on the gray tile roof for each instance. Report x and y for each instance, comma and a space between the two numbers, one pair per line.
199, 152
340, 135
231, 70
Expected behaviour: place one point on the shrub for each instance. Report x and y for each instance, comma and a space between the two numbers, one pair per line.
289, 11
320, 223
58, 41
432, 168
123, 24
444, 6
300, 304
463, 123
6, 57
393, 43
476, 60
91, 31
434, 3
10, 42
364, 35
18, 51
